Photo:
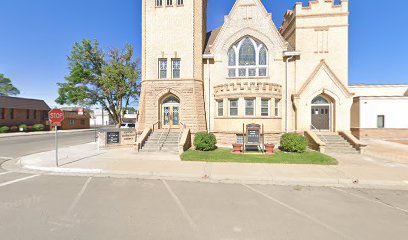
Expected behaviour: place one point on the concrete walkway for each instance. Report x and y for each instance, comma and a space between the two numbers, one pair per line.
352, 171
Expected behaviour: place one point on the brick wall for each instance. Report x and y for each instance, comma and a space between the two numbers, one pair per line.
381, 133
75, 123
15, 117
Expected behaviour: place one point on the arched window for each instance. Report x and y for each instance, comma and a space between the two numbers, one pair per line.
247, 58
320, 100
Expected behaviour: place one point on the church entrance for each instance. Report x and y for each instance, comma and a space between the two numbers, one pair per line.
170, 112
321, 113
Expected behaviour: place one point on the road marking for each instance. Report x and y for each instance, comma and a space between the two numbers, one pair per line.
371, 200
78, 197
18, 180
297, 211
4, 173
180, 206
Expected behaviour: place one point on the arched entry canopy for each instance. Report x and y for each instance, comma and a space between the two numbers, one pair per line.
170, 112
321, 113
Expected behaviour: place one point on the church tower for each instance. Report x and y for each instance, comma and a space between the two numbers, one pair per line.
172, 94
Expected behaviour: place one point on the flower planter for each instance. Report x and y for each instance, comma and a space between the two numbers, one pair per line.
269, 148
236, 148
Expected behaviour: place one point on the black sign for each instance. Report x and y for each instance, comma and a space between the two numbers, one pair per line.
112, 137
254, 136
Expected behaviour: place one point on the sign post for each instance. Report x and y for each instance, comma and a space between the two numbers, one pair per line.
56, 116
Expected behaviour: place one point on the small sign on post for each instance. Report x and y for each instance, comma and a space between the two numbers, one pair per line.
56, 116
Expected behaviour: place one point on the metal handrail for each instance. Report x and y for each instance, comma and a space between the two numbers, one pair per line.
320, 135
155, 123
160, 138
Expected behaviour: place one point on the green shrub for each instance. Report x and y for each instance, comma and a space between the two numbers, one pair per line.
205, 141
38, 127
292, 142
4, 129
23, 127
13, 129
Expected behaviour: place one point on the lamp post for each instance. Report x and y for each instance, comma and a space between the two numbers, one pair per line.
289, 56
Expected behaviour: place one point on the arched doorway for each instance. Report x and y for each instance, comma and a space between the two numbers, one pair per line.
170, 112
321, 113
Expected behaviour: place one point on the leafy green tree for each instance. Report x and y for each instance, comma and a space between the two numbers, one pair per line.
7, 88
97, 77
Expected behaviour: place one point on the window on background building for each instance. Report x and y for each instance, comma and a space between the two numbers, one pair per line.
249, 107
169, 2
35, 114
2, 112
248, 58
176, 67
265, 107
277, 107
380, 121
162, 68
27, 114
72, 122
233, 107
180, 2
159, 3
11, 113
220, 108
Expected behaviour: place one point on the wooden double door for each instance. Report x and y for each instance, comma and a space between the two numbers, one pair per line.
170, 116
321, 117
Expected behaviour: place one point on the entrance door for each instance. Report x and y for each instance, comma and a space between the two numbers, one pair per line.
321, 117
170, 116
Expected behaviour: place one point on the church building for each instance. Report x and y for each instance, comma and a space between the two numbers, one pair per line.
290, 78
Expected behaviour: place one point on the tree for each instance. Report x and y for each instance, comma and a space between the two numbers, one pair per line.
107, 78
7, 88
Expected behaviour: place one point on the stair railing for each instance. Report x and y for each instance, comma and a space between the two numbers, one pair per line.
319, 135
159, 143
183, 127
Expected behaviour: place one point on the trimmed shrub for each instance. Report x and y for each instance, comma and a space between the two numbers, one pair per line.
38, 127
205, 141
13, 129
4, 129
23, 127
292, 142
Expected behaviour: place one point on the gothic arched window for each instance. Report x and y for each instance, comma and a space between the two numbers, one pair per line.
247, 58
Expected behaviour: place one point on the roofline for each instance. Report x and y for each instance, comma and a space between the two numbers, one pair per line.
378, 85
24, 98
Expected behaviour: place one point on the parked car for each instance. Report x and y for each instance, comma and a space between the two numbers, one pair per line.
128, 125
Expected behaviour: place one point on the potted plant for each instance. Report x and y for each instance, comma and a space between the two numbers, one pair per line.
269, 148
236, 148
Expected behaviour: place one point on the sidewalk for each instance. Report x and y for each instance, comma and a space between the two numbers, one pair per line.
352, 171
19, 134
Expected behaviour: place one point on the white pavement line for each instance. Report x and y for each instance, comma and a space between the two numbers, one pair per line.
78, 197
180, 206
371, 200
4, 173
299, 212
18, 180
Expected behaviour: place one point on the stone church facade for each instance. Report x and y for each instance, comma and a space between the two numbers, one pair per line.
288, 79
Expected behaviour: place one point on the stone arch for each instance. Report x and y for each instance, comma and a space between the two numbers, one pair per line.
323, 111
166, 92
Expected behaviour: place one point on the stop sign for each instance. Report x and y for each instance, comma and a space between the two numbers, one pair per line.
56, 115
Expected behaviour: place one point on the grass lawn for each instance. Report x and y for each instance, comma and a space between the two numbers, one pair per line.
225, 155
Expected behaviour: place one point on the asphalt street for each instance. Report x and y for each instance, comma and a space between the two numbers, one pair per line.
61, 207
14, 147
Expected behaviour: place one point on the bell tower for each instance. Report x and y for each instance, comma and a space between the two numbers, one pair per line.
173, 41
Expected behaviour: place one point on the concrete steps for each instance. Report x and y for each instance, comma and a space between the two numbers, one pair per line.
336, 144
162, 140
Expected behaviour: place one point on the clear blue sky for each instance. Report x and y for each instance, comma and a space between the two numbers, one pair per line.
36, 36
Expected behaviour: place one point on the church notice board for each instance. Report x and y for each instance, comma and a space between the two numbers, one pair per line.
253, 134
113, 138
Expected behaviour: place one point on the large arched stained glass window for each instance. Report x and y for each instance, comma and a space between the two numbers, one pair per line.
247, 53
247, 58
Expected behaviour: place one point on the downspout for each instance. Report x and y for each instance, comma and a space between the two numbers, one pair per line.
287, 94
209, 95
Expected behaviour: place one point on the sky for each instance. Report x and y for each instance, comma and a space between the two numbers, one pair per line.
36, 37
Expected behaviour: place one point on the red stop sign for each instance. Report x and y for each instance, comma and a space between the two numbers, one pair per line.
56, 115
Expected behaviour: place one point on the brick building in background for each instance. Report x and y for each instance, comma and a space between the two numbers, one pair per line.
73, 120
15, 111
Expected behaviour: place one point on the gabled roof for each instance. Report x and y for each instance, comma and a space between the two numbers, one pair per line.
23, 103
210, 39
323, 65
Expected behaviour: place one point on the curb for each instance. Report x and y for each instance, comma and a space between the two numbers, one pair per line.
10, 135
281, 181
